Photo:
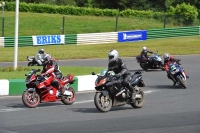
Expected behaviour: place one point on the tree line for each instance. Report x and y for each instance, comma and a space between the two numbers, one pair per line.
154, 5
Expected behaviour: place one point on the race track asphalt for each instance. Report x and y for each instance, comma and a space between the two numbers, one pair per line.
167, 109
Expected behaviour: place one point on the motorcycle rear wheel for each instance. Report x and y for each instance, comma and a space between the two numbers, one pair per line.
139, 102
29, 100
69, 100
102, 103
182, 83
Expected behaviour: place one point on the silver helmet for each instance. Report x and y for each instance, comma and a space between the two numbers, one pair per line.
41, 51
166, 56
113, 55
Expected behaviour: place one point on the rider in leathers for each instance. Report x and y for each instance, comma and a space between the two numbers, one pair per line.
39, 57
51, 66
118, 66
144, 55
167, 60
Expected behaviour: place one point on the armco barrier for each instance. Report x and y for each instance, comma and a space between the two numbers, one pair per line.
173, 32
106, 37
17, 86
2, 41
97, 38
27, 40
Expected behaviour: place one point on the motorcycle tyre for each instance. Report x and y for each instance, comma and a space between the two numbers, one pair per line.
137, 104
26, 103
182, 83
145, 68
68, 101
98, 104
30, 64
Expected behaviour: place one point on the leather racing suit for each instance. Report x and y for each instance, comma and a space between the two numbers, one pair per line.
52, 67
39, 58
144, 55
120, 69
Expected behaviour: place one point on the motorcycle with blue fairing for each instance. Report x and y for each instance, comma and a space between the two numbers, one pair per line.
154, 62
111, 92
177, 73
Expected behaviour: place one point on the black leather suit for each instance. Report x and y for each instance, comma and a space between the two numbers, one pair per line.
144, 55
119, 67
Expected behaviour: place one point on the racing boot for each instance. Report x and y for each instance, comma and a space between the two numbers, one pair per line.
185, 74
174, 83
132, 94
172, 80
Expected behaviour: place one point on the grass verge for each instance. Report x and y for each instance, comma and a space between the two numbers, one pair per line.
77, 71
174, 46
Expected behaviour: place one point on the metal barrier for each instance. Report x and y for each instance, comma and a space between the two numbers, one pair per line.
87, 38
173, 32
27, 40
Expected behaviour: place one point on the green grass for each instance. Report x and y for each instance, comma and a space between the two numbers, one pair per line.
48, 24
77, 71
175, 46
45, 24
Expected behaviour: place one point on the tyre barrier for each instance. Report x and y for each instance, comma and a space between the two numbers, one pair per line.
17, 86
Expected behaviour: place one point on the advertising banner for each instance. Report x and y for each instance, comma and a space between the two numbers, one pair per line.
129, 36
48, 39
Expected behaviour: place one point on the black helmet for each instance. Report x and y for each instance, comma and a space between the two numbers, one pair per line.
41, 51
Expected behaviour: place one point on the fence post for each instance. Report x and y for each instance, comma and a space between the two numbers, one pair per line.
116, 26
164, 19
63, 25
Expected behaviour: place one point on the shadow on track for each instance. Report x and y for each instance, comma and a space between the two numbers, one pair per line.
21, 105
150, 70
94, 110
166, 87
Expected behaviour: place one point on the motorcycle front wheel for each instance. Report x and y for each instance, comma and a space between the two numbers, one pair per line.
102, 103
68, 100
182, 83
30, 99
143, 66
139, 102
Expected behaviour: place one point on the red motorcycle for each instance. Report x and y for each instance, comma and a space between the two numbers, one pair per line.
39, 89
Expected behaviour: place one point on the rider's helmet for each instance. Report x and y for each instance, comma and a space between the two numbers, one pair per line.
47, 58
41, 51
166, 57
113, 55
144, 49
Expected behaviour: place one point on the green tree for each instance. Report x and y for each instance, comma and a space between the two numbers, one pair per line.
184, 13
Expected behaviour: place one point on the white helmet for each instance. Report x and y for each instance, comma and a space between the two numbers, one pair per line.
166, 56
113, 55
144, 48
41, 51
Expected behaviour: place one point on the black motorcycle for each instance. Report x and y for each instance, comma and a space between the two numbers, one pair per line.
110, 91
154, 62
32, 61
